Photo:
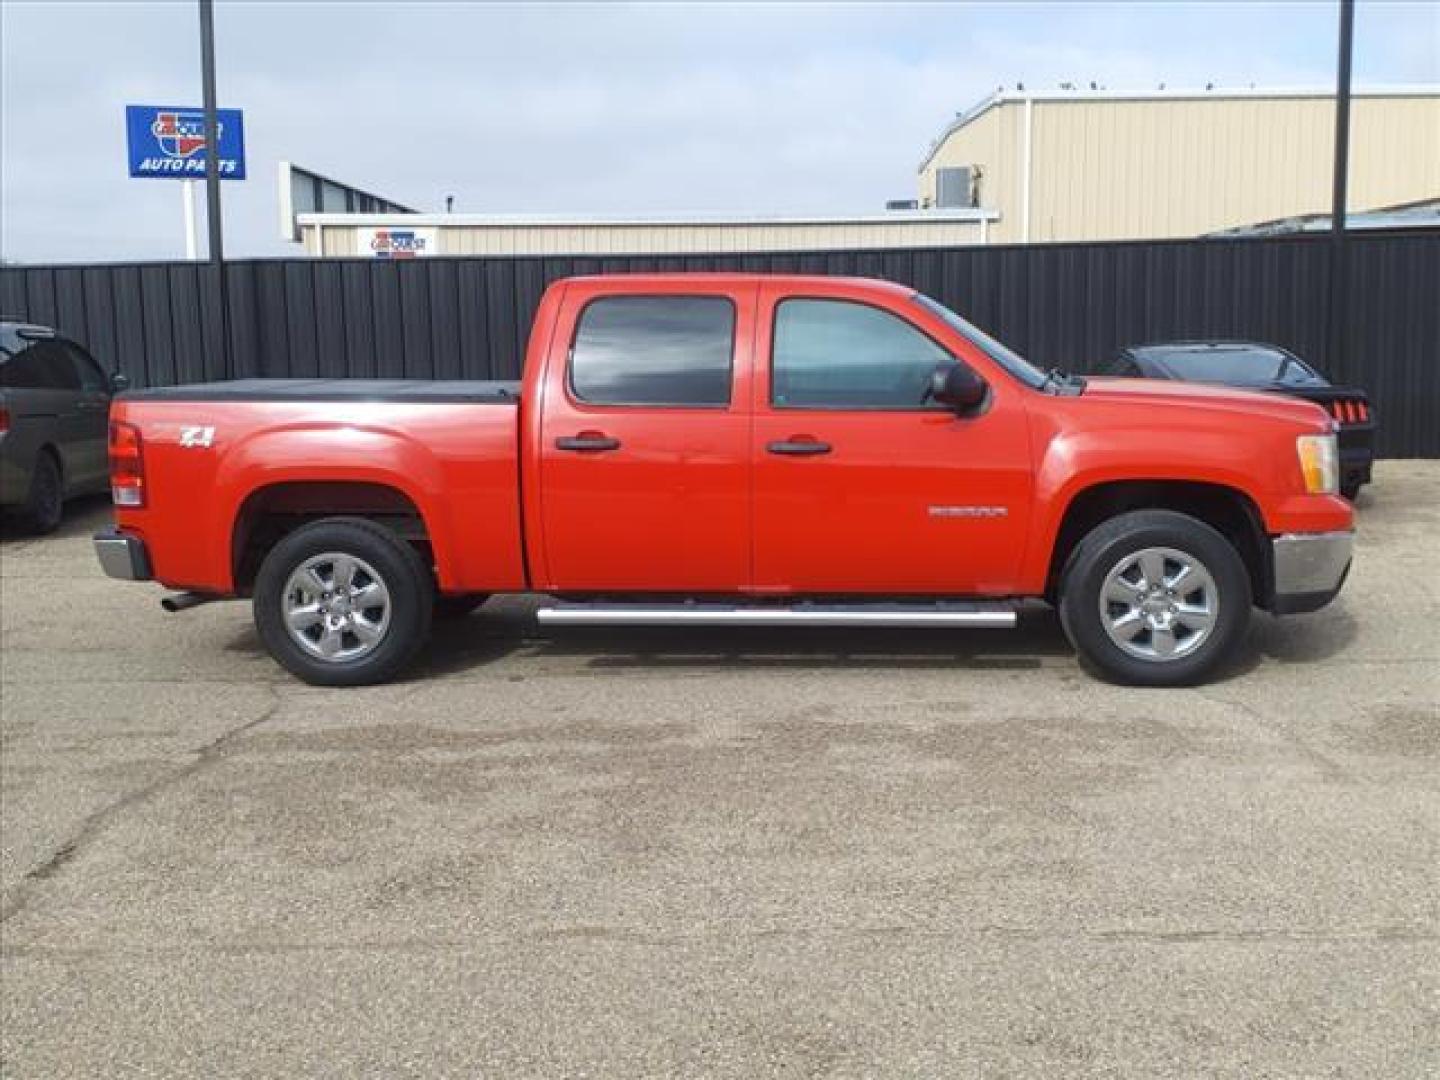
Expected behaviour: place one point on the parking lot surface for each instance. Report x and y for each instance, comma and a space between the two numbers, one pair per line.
709, 852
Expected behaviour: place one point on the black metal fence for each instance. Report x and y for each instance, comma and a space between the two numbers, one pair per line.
1066, 305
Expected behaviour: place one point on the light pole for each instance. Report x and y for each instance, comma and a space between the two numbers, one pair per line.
212, 176
1339, 199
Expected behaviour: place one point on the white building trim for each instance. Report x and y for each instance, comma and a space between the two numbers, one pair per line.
697, 220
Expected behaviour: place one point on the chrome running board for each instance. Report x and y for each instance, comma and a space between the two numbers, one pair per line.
991, 615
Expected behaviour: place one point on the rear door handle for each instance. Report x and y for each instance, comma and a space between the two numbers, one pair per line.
799, 446
587, 442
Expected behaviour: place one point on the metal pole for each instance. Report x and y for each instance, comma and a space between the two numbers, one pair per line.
212, 130
212, 174
1342, 118
1338, 203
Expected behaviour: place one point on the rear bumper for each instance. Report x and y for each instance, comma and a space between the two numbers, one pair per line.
1356, 444
1309, 569
122, 556
1355, 466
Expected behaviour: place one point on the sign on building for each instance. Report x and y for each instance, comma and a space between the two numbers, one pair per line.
168, 142
388, 242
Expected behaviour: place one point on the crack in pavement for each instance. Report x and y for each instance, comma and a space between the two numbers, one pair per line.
98, 821
1398, 934
1331, 768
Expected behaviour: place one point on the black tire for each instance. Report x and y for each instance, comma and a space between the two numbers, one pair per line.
1351, 490
459, 605
45, 502
404, 576
1103, 551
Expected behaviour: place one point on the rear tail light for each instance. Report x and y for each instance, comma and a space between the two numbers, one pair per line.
1350, 411
127, 465
4, 421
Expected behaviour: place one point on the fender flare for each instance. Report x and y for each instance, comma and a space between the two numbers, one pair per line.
379, 456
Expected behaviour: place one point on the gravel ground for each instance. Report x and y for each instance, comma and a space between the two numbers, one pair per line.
708, 852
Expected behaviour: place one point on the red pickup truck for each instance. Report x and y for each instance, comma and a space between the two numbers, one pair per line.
738, 449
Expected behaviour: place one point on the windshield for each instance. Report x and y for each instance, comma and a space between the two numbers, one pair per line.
1234, 365
1006, 357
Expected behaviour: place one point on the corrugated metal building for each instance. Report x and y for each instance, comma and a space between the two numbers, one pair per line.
1078, 165
339, 234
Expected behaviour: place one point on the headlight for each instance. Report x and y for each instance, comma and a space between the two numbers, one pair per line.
1319, 463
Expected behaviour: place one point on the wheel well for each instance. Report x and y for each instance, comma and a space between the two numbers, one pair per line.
271, 513
50, 450
1228, 511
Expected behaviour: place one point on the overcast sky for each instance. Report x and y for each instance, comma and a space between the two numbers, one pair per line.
758, 108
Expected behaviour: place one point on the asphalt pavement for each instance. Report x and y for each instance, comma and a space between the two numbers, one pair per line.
719, 852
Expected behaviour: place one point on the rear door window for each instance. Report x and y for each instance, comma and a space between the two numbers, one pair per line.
654, 350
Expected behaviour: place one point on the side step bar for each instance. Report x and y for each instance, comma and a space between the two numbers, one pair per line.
993, 615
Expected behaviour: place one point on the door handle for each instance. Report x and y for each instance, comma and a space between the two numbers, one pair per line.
799, 446
587, 442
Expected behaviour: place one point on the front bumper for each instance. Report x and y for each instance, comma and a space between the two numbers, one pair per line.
1309, 569
122, 556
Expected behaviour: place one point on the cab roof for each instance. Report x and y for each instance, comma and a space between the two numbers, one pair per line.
671, 279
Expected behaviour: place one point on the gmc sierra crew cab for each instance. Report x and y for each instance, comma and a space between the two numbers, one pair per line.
738, 449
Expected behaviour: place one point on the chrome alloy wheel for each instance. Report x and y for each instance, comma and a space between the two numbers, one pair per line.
336, 607
1159, 604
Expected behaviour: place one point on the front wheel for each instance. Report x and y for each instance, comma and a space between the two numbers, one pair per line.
343, 602
1155, 598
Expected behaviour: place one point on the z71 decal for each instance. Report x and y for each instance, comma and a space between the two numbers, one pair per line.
200, 438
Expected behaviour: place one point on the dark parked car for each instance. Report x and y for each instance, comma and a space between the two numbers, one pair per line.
1253, 365
54, 412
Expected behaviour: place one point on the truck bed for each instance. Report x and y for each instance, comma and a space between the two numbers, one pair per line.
427, 390
214, 452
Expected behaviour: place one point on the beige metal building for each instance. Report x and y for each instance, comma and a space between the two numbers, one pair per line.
1099, 165
419, 235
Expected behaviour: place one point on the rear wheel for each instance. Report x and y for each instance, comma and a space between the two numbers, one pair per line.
45, 502
1351, 490
1155, 598
343, 602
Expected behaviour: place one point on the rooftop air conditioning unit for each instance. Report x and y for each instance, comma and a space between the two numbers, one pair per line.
957, 188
